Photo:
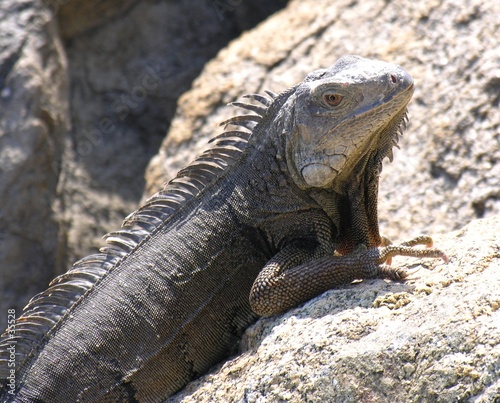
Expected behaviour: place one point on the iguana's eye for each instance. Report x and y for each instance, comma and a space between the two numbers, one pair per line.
333, 99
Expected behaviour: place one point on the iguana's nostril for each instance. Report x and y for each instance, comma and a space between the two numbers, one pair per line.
394, 78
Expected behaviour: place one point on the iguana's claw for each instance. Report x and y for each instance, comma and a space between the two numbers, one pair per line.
397, 273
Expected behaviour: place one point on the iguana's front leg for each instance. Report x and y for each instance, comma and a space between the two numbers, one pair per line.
295, 274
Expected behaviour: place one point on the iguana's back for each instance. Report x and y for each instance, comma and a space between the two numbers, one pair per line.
174, 302
160, 318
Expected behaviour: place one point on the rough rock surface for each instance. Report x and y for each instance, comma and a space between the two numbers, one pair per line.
33, 123
87, 92
434, 338
448, 169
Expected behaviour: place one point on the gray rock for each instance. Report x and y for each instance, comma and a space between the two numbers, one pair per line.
434, 338
34, 119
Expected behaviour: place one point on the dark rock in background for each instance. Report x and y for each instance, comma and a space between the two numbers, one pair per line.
34, 122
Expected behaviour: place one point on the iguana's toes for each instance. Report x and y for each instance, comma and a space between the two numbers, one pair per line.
397, 273
425, 240
404, 250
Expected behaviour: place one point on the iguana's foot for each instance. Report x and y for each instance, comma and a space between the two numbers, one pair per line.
382, 257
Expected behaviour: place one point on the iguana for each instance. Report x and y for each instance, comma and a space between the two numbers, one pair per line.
273, 214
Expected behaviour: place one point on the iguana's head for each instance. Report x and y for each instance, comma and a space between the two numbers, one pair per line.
343, 115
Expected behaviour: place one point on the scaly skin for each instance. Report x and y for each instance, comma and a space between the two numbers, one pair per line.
268, 218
